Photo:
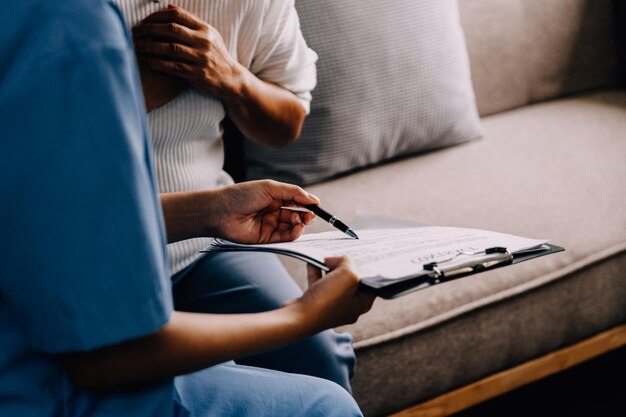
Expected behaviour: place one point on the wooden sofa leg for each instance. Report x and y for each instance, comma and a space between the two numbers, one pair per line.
523, 374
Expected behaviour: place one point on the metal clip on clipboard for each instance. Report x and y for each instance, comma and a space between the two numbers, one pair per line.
479, 261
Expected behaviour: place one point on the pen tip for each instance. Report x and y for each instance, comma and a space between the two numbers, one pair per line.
351, 233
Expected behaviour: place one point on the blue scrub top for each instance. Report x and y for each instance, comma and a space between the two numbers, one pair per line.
82, 248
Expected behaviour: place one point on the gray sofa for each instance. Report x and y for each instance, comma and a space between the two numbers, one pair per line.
551, 164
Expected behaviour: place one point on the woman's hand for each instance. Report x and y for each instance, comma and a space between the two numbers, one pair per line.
177, 43
334, 299
250, 212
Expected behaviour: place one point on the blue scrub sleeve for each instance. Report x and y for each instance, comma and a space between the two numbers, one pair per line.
84, 261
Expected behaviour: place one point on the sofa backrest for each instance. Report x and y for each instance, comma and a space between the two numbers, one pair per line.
524, 51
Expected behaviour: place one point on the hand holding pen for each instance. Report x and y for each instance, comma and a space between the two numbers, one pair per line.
326, 216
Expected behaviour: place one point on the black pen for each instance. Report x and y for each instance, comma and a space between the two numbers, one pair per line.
326, 216
333, 220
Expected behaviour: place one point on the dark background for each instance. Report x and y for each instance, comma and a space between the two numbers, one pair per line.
594, 388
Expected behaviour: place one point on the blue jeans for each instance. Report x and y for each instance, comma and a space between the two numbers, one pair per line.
230, 282
242, 391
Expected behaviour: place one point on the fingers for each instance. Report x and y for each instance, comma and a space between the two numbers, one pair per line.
258, 204
305, 215
184, 46
170, 31
367, 301
173, 23
168, 50
291, 217
308, 218
347, 270
178, 15
314, 274
288, 227
340, 261
334, 299
333, 263
286, 233
175, 68
288, 192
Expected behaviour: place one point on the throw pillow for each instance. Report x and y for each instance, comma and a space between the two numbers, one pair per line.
393, 79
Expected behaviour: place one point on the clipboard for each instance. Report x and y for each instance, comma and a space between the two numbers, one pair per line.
446, 270
415, 256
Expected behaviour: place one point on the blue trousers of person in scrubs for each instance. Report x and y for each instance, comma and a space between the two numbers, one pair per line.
83, 244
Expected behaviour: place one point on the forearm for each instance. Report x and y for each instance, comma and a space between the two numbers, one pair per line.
189, 342
187, 214
264, 112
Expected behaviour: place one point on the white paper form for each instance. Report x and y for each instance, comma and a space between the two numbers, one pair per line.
389, 249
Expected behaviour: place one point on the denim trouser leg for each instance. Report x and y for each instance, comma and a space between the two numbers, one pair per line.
230, 390
230, 282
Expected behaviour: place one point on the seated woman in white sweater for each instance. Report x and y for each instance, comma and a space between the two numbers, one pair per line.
199, 61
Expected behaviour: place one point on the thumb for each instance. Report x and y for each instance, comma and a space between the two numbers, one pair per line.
339, 261
314, 274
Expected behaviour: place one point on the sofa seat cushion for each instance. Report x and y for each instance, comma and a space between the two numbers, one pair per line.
555, 170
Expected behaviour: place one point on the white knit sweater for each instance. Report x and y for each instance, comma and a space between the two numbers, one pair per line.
262, 35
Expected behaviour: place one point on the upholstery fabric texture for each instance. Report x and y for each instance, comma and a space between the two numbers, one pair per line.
393, 79
551, 170
525, 51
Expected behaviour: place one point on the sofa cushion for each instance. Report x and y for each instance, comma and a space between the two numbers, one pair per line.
553, 170
393, 78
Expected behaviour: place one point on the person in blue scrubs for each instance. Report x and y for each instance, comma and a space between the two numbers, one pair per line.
86, 320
